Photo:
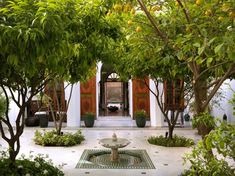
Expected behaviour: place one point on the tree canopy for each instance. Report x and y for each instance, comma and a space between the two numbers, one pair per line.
177, 39
46, 39
51, 37
169, 40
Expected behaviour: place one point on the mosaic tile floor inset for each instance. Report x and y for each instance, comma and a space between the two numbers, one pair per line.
128, 159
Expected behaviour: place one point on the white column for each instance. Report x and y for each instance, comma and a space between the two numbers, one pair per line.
156, 117
74, 110
130, 98
98, 78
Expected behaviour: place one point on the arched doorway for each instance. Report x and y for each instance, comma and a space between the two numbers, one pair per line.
113, 93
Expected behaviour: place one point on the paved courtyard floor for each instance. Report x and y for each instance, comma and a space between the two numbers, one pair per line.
167, 161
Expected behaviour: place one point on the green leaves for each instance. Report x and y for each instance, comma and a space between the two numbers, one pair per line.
46, 35
209, 61
210, 157
197, 45
2, 105
51, 138
204, 119
218, 48
13, 59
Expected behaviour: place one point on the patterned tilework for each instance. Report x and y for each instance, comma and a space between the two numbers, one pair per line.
128, 159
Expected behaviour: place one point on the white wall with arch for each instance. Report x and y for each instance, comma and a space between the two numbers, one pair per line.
225, 107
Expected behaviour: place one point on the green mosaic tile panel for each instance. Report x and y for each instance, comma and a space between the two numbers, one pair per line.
128, 159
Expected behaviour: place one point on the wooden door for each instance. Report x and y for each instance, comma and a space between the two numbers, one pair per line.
141, 95
57, 95
173, 95
88, 96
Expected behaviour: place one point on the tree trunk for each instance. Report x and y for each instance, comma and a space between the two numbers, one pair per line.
200, 92
13, 139
14, 147
204, 130
12, 152
171, 129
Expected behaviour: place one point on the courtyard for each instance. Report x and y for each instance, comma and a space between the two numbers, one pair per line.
170, 63
166, 160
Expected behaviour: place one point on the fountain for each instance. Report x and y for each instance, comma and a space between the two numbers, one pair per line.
114, 143
114, 158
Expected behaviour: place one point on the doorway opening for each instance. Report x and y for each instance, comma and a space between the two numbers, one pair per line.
113, 94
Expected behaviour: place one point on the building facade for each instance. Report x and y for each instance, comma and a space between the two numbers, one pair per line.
104, 93
106, 90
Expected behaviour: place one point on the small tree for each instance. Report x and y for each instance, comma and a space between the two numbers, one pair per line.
208, 50
137, 56
41, 41
196, 35
55, 105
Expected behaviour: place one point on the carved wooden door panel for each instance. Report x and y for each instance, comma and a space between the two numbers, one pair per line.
57, 95
88, 96
60, 94
173, 97
140, 96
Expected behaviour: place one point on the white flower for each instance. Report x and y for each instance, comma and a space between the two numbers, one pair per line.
27, 174
20, 167
45, 172
37, 164
229, 28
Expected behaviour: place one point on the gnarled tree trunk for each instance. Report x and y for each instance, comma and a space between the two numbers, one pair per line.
200, 92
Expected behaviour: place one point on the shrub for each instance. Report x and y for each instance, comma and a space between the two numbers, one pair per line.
222, 144
50, 138
140, 114
32, 166
205, 119
177, 141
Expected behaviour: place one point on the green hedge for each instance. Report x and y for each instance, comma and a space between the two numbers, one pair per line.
50, 138
177, 141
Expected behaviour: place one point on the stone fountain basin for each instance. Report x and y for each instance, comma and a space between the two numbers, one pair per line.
128, 159
110, 143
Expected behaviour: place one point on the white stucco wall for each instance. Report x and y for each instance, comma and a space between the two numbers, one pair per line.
225, 106
98, 79
13, 112
130, 98
156, 117
73, 113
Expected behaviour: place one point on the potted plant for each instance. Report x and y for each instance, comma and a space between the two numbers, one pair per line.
186, 119
43, 118
32, 121
89, 119
140, 118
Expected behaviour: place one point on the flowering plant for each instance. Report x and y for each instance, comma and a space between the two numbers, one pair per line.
32, 166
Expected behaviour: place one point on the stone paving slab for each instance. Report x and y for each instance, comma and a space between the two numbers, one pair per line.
167, 160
